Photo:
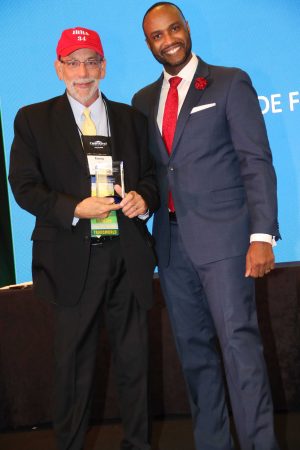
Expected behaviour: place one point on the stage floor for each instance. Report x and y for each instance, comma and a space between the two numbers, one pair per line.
168, 434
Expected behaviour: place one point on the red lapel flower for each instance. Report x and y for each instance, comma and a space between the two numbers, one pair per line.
201, 83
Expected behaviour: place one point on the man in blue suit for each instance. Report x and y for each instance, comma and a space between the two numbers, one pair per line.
214, 230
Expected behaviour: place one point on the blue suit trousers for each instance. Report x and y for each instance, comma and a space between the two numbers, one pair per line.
212, 307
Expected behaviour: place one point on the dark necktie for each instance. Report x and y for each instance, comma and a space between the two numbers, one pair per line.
169, 122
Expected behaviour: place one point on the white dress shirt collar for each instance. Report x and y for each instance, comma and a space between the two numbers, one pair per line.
97, 110
188, 72
187, 75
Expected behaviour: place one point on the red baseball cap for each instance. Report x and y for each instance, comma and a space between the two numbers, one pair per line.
76, 38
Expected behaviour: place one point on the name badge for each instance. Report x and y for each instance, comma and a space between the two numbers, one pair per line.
96, 161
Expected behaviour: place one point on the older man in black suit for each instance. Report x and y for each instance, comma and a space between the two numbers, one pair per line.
89, 251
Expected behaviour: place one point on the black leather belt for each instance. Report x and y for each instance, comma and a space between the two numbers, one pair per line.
172, 216
101, 240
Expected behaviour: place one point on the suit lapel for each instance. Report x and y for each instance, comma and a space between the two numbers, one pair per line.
192, 98
154, 131
67, 127
121, 149
115, 125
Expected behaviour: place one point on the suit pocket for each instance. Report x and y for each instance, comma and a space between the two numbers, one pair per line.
202, 107
44, 234
202, 113
229, 194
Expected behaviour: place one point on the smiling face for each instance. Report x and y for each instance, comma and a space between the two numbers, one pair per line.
168, 37
81, 82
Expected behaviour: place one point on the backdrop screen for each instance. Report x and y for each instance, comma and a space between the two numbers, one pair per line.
260, 36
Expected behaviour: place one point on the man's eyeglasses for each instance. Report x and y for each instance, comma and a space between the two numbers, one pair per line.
89, 64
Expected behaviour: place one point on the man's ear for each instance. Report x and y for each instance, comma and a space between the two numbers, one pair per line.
147, 42
58, 69
103, 69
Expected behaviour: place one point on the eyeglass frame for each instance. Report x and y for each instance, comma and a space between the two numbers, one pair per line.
77, 63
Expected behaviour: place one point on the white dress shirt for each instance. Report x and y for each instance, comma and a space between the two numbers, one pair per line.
187, 75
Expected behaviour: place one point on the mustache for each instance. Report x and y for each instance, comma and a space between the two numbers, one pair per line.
83, 80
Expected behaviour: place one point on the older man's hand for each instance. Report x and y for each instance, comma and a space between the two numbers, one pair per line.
95, 208
132, 204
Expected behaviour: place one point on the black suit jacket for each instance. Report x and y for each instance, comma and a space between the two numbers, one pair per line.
49, 176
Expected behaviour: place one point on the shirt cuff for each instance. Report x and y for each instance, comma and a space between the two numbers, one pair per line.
75, 221
262, 237
144, 216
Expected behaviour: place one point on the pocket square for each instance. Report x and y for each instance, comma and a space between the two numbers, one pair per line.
201, 107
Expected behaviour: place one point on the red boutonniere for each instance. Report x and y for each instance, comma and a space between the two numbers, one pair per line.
201, 83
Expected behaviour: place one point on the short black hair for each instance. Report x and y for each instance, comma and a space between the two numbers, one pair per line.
161, 4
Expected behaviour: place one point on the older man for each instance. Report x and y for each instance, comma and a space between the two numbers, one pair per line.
214, 229
89, 252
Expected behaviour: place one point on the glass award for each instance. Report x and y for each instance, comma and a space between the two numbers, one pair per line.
107, 175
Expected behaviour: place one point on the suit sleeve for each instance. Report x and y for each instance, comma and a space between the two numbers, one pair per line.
28, 182
139, 105
147, 185
249, 138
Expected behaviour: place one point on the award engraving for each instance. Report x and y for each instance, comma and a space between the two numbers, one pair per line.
107, 175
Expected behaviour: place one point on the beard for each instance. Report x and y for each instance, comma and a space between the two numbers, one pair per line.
83, 97
167, 62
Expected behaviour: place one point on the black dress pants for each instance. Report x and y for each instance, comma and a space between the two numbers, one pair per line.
76, 339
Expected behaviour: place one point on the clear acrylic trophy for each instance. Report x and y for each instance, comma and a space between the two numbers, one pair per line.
107, 175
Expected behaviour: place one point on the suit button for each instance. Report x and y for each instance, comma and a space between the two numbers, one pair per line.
171, 168
86, 237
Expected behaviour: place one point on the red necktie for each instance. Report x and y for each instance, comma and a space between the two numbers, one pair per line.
169, 122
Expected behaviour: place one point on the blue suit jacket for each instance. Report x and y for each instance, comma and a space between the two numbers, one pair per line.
220, 170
